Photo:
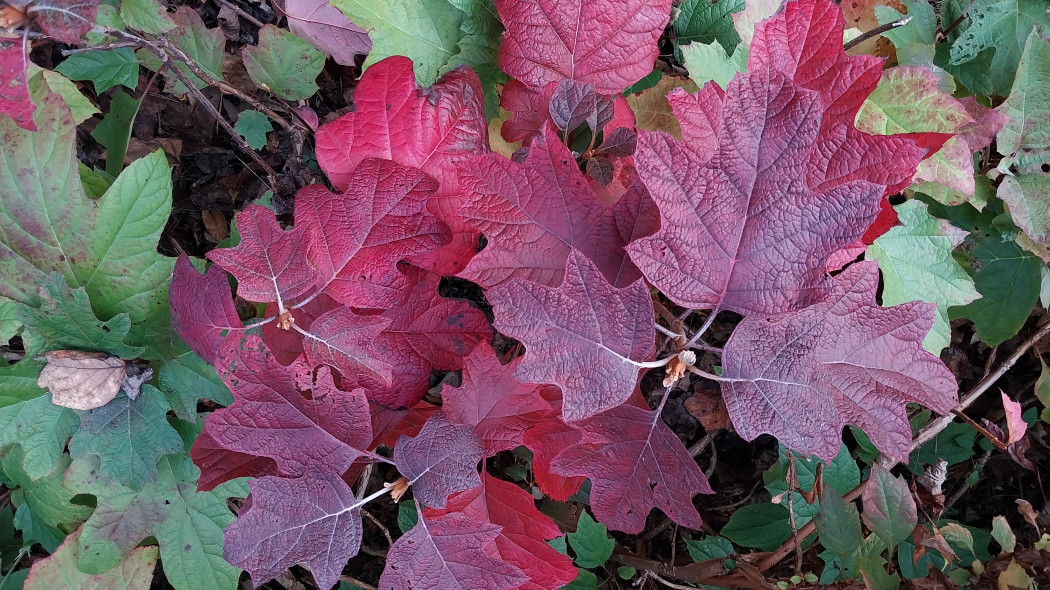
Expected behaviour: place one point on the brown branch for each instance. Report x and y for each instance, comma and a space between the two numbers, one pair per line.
875, 32
242, 13
103, 47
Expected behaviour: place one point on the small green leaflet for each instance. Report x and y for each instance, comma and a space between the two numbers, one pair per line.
253, 127
283, 64
914, 42
114, 132
28, 419
185, 379
591, 542
1008, 281
764, 526
889, 509
148, 16
9, 323
482, 33
106, 68
838, 525
709, 548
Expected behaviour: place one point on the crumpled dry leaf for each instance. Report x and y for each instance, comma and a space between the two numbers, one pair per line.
87, 380
707, 407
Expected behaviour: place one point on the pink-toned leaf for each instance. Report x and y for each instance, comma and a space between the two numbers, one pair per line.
585, 336
546, 440
271, 418
635, 463
522, 540
608, 44
14, 84
327, 28
533, 213
530, 108
269, 263
700, 117
202, 309
1015, 424
744, 231
441, 460
987, 123
356, 239
304, 521
388, 425
344, 340
802, 376
426, 332
65, 20
498, 406
450, 553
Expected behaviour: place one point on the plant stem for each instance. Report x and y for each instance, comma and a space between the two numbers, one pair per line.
707, 324
875, 32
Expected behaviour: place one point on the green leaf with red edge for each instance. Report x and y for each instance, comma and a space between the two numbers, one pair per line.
65, 20
60, 570
889, 509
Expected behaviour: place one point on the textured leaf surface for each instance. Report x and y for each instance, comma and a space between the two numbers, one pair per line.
917, 264
134, 572
146, 16
47, 497
533, 214
328, 29
28, 418
185, 379
305, 521
1028, 197
1002, 26
522, 540
43, 82
441, 459
14, 83
591, 542
105, 69
889, 509
494, 402
449, 552
253, 127
128, 436
546, 440
635, 463
651, 108
802, 376
608, 45
585, 336
202, 310
66, 21
283, 63
1028, 106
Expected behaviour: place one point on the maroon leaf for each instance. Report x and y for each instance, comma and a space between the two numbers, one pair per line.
608, 44
450, 553
575, 103
585, 336
65, 20
202, 310
802, 376
635, 463
530, 108
14, 84
306, 521
546, 440
744, 231
494, 402
441, 460
426, 332
271, 418
532, 214
327, 28
219, 464
521, 542
344, 340
269, 263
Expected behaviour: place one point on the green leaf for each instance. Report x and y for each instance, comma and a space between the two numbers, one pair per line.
42, 82
35, 531
64, 321
1003, 534
283, 63
954, 444
591, 542
128, 436
146, 15
1028, 198
9, 323
917, 264
764, 526
114, 131
407, 516
186, 379
914, 42
427, 31
29, 419
705, 22
253, 127
709, 548
187, 525
134, 572
482, 33
1028, 105
838, 525
1001, 26
873, 568
889, 509
710, 61
585, 580
203, 45
95, 182
1042, 388
105, 68
626, 573
47, 497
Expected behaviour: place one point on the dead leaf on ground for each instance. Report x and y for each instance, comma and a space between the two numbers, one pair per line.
708, 407
82, 380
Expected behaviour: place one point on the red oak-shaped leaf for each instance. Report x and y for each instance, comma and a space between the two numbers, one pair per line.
522, 542
306, 521
327, 28
14, 84
608, 44
499, 406
355, 240
546, 440
426, 332
585, 336
269, 263
448, 553
202, 309
533, 213
271, 417
287, 345
530, 108
219, 464
802, 376
65, 20
441, 460
744, 231
344, 340
635, 463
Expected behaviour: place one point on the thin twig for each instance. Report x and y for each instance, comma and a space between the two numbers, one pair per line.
665, 582
243, 14
379, 525
103, 47
875, 32
701, 444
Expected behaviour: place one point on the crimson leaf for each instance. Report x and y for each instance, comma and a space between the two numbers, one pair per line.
546, 440
586, 336
635, 463
202, 310
802, 376
14, 84
441, 460
65, 20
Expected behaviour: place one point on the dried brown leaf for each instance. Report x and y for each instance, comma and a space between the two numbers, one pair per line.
82, 380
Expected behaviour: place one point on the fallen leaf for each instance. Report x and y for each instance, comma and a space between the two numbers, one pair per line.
82, 380
1015, 425
1026, 510
707, 407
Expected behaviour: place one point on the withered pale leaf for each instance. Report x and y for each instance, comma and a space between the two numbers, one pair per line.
82, 380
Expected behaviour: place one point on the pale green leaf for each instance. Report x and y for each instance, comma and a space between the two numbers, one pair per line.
1001, 26
889, 509
42, 82
591, 542
133, 572
1028, 105
1003, 534
707, 62
146, 15
1028, 198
